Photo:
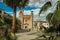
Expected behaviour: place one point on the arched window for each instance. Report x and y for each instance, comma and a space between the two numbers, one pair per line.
25, 27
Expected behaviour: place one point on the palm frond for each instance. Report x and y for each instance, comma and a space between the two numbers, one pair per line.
13, 3
23, 3
54, 17
45, 7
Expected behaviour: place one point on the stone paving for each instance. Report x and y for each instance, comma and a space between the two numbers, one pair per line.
27, 35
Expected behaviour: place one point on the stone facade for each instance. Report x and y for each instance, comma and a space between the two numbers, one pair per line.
27, 21
38, 25
1, 13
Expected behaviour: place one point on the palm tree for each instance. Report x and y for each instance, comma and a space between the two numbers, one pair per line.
14, 4
51, 18
48, 17
54, 18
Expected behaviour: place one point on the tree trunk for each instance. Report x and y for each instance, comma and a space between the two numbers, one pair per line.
14, 21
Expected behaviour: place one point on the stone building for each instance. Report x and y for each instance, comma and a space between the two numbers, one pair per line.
38, 25
26, 20
1, 13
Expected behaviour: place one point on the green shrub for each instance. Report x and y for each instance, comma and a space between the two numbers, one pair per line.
3, 38
12, 36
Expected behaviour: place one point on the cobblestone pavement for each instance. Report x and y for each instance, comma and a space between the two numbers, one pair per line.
27, 35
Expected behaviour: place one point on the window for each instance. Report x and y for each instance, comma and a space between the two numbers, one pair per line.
25, 20
25, 27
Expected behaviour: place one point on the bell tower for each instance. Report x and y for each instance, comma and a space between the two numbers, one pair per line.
32, 19
21, 18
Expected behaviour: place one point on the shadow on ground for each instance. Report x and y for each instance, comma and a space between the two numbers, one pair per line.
22, 31
32, 33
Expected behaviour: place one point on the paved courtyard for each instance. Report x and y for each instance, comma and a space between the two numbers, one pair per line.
27, 35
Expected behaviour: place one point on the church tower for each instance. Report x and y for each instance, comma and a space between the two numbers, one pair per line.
21, 18
32, 18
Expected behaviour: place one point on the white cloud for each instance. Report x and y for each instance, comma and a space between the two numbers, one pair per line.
10, 13
28, 12
36, 11
39, 3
